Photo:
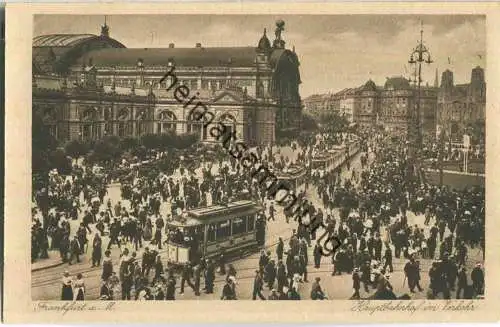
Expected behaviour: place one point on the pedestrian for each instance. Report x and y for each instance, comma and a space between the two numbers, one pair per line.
79, 288
258, 284
356, 283
228, 291
280, 249
96, 250
187, 273
107, 266
317, 253
67, 287
209, 277
316, 290
197, 279
477, 277
171, 282
75, 250
462, 282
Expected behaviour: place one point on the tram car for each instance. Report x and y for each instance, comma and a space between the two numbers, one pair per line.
322, 161
233, 229
295, 177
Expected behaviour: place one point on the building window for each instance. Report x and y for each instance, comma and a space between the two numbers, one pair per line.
167, 121
122, 129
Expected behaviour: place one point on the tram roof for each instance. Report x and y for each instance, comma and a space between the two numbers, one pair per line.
291, 172
322, 156
232, 210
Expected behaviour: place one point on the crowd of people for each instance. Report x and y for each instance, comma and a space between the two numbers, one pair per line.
367, 212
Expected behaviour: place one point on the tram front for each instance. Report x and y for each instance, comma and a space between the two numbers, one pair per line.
183, 241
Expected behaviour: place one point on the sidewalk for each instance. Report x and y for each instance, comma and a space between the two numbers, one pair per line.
54, 260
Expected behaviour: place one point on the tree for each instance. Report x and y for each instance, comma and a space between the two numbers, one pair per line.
332, 122
185, 141
150, 141
107, 149
60, 161
128, 143
309, 123
75, 149
42, 145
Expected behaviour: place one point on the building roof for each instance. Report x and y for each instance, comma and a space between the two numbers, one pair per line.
264, 43
61, 40
369, 86
54, 52
397, 83
190, 57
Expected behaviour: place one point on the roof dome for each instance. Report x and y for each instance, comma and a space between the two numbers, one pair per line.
264, 42
370, 86
397, 83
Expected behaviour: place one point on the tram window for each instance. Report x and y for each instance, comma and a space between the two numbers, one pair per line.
250, 223
223, 230
240, 225
211, 232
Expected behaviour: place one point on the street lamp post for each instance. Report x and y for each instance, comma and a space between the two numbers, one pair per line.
419, 55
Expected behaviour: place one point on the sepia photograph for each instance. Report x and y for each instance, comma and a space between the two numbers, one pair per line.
260, 157
199, 163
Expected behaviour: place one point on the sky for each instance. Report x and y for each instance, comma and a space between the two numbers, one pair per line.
335, 51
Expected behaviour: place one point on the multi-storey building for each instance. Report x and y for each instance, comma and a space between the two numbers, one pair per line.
394, 106
86, 86
461, 106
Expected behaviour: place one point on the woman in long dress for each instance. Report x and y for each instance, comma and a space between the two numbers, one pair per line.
79, 288
67, 290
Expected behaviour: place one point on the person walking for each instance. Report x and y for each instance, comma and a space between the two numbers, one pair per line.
96, 250
258, 284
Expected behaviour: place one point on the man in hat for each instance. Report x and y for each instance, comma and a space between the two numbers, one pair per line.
209, 277
317, 253
388, 258
462, 282
477, 277
187, 272
270, 274
280, 248
356, 283
411, 273
197, 278
281, 276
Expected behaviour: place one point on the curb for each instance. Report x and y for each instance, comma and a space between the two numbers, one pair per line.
47, 266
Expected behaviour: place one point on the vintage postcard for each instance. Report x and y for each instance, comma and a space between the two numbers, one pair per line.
199, 163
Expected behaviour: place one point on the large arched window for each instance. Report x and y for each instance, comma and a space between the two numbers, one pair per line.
167, 121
